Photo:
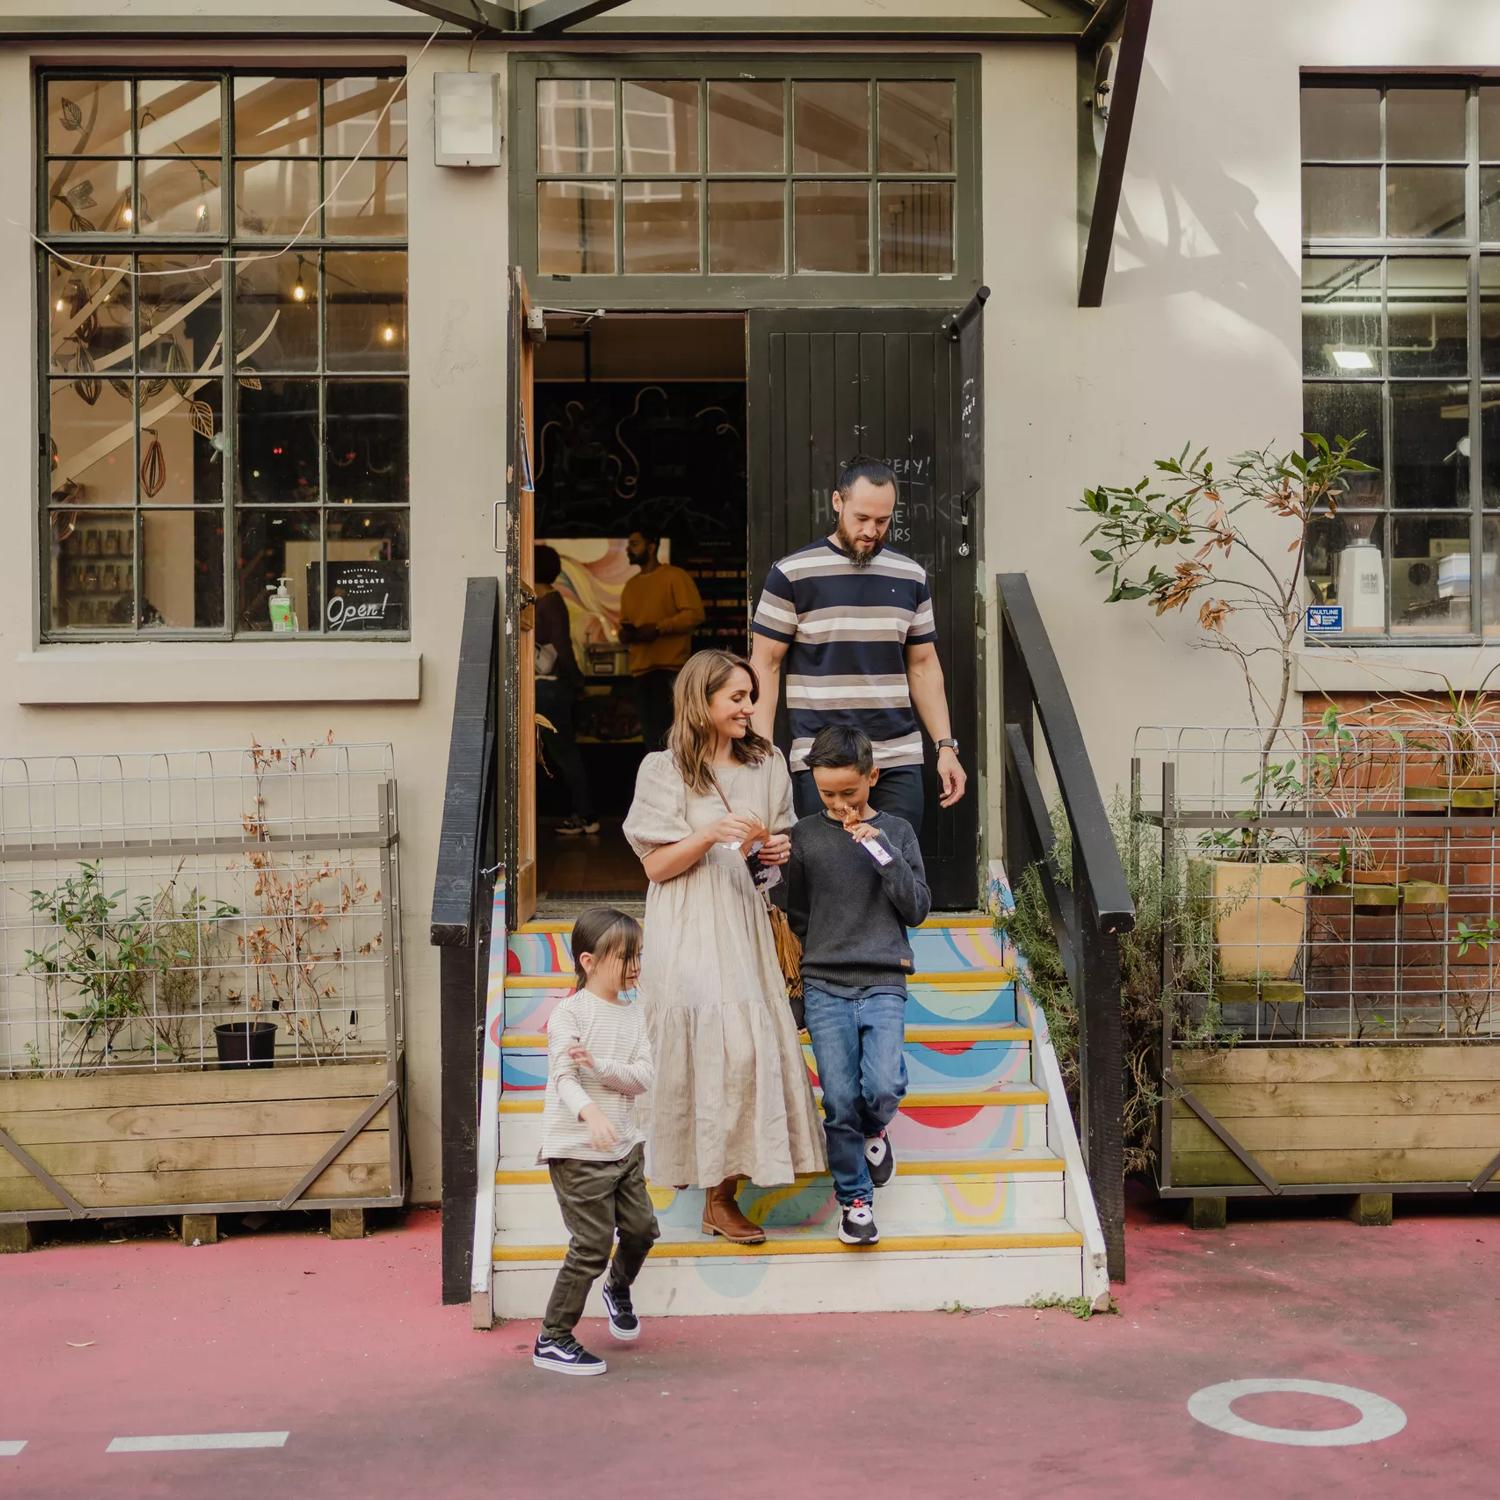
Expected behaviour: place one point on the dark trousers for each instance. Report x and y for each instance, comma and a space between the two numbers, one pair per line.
554, 702
899, 791
598, 1199
653, 697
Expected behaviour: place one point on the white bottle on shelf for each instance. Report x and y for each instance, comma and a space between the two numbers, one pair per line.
1362, 586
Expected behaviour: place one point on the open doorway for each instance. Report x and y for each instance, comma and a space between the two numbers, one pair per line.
639, 428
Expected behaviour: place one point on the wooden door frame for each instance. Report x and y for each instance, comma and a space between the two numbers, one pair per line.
518, 648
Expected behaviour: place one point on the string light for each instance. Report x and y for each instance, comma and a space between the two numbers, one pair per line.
128, 215
299, 287
388, 333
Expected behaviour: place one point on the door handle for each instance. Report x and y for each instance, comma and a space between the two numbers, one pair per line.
500, 538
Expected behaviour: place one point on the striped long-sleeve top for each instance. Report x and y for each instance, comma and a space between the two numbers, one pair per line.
847, 629
615, 1035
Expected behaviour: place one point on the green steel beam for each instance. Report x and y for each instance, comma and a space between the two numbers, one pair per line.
550, 17
1081, 11
925, 28
472, 15
95, 27
1109, 177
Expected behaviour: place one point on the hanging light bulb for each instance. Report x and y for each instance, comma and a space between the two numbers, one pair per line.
299, 287
128, 215
61, 305
388, 333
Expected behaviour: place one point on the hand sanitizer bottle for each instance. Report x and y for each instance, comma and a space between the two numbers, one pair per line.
283, 612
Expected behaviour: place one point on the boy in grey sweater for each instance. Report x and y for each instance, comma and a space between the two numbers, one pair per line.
855, 884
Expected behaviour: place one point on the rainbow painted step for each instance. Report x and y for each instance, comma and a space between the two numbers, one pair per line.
982, 1210
938, 1059
811, 1271
944, 945
929, 1127
1003, 1192
980, 998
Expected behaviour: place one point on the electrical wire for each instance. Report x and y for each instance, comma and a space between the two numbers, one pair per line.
260, 255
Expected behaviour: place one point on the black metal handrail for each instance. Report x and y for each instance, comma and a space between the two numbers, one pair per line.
1090, 905
462, 899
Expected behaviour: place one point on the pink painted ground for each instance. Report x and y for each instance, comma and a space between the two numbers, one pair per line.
386, 1393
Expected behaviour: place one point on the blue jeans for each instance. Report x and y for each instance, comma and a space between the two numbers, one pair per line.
862, 1067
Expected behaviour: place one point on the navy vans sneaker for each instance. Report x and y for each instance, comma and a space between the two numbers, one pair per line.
881, 1159
623, 1322
567, 1356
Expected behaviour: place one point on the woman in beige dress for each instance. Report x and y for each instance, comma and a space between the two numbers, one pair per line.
731, 1097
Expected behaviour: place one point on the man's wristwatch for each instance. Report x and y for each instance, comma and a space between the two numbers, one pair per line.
949, 744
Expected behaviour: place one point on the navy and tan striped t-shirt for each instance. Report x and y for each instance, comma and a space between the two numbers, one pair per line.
848, 629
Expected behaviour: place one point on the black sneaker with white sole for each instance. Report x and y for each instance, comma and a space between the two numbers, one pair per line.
881, 1159
567, 1356
857, 1224
623, 1322
576, 828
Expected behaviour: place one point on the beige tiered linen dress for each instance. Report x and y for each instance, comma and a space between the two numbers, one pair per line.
731, 1096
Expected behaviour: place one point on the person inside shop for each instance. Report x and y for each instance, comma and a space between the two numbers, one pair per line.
851, 621
660, 608
557, 683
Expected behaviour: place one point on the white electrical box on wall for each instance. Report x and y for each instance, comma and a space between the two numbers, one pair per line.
466, 128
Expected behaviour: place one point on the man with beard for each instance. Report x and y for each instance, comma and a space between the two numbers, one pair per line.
852, 621
660, 607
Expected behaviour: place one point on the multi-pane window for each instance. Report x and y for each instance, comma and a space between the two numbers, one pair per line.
224, 358
772, 175
1401, 342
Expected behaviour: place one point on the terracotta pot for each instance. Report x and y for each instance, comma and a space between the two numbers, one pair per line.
1260, 911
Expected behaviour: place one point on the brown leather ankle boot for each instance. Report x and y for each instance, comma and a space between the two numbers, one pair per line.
721, 1215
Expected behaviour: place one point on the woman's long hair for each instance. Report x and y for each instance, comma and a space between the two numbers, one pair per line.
692, 739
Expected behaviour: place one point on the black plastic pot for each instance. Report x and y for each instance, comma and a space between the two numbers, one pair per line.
246, 1044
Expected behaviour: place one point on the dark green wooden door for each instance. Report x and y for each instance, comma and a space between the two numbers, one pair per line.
824, 386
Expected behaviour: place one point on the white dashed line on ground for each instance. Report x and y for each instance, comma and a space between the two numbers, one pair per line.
184, 1442
9, 1447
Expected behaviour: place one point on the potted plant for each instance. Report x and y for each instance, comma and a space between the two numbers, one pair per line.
1211, 526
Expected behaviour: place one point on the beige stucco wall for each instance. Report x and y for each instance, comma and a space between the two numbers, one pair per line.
457, 351
1198, 339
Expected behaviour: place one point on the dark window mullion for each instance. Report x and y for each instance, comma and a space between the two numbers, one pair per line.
1388, 416
1474, 364
229, 381
323, 306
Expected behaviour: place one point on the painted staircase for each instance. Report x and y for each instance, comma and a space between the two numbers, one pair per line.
989, 1205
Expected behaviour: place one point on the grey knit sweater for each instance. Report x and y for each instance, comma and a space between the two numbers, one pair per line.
850, 911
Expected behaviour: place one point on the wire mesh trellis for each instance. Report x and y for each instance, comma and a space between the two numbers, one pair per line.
147, 899
1333, 881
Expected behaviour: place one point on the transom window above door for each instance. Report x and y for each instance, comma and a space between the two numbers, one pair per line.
768, 173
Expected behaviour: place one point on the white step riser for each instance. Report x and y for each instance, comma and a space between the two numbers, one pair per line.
850, 1282
988, 1132
906, 1205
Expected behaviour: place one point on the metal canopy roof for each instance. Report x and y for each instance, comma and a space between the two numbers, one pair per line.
592, 18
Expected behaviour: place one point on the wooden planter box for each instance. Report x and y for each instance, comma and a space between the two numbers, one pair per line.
122, 1144
1400, 1116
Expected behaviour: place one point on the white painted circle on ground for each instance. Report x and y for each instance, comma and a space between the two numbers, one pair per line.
1378, 1418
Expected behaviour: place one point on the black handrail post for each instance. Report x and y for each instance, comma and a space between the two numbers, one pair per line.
1102, 1086
462, 895
1016, 707
1090, 903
